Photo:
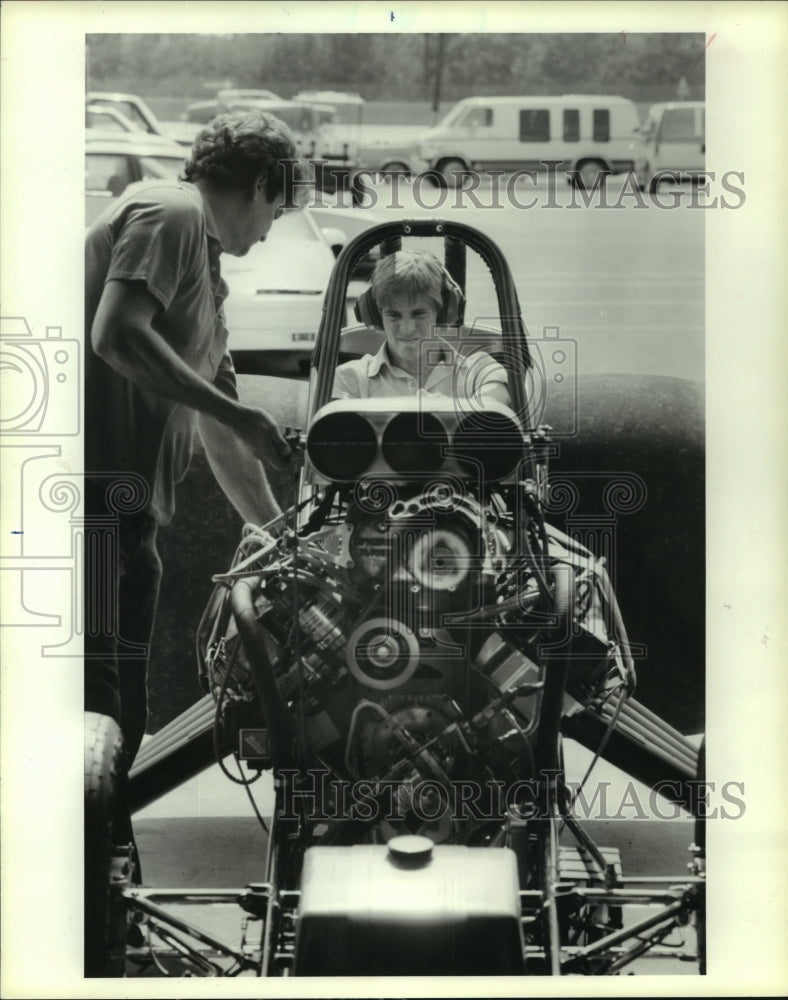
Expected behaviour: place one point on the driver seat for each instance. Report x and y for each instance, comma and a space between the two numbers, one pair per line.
356, 341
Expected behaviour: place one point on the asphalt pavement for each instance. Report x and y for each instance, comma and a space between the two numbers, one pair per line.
626, 282
205, 835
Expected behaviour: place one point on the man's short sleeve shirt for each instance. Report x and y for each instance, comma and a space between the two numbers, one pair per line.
159, 233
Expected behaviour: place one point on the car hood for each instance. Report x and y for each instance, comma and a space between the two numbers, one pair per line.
436, 132
293, 267
351, 221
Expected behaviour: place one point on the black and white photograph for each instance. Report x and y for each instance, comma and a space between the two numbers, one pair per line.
391, 507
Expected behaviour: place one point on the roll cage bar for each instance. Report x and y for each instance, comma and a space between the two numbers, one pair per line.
457, 238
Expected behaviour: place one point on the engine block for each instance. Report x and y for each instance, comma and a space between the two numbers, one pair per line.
405, 627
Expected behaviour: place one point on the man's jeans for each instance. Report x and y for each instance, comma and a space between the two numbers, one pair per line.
122, 577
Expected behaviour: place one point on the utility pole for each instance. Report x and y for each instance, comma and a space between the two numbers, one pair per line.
436, 95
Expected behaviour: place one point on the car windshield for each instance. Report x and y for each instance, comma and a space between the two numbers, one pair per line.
349, 114
128, 110
451, 118
475, 117
345, 109
106, 120
300, 119
326, 116
679, 123
649, 125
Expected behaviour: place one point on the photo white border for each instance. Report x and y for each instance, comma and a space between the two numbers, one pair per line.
41, 279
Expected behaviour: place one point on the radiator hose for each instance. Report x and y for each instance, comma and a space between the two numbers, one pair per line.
276, 715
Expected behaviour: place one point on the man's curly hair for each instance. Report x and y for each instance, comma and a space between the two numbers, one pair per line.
236, 148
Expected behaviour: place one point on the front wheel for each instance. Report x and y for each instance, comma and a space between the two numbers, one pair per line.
107, 866
589, 174
395, 167
453, 171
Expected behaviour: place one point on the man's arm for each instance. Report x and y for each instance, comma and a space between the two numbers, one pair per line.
238, 472
496, 391
123, 336
489, 381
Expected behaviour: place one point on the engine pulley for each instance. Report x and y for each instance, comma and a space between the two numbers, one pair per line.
440, 559
382, 653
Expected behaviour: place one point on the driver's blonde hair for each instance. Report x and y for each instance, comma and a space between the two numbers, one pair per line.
408, 274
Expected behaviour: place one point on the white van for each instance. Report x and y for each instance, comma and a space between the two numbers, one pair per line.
589, 134
674, 136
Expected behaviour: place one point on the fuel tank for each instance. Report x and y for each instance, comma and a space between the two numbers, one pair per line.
409, 908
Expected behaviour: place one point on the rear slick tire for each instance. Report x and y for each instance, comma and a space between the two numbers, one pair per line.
107, 867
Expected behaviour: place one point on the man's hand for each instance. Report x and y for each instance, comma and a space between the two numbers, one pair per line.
260, 433
240, 474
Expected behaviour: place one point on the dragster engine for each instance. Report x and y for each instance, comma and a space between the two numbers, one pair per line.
405, 628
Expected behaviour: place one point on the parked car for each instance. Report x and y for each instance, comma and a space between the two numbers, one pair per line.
185, 133
115, 159
98, 116
130, 105
276, 295
341, 119
389, 157
346, 224
312, 124
303, 119
203, 112
140, 115
349, 106
229, 95
590, 134
674, 137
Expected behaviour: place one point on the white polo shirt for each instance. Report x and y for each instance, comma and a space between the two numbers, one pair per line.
449, 374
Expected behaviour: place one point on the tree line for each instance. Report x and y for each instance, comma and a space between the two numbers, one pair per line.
397, 66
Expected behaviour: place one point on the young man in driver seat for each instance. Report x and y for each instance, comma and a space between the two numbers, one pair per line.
411, 294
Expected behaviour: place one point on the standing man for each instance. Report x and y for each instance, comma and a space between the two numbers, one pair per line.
157, 370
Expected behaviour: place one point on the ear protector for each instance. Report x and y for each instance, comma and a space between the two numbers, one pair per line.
450, 314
